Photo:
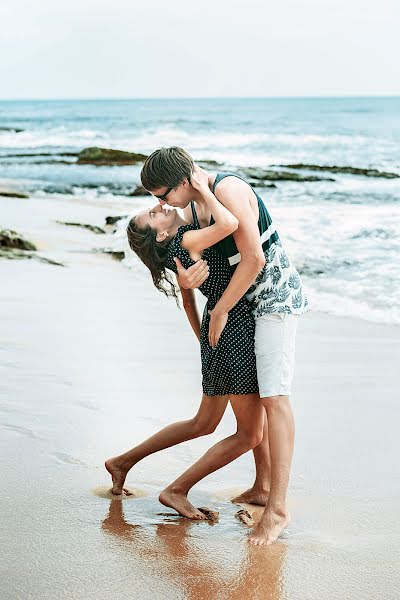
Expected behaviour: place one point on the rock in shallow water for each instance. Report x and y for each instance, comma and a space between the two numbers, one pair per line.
344, 169
108, 156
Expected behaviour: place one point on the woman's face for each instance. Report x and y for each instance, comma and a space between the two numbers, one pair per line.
163, 220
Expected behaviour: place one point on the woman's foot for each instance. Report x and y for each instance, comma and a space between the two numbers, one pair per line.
253, 495
118, 474
179, 502
269, 527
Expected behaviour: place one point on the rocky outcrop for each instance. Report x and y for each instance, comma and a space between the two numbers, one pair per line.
114, 219
15, 253
344, 169
11, 129
108, 156
139, 191
257, 174
93, 228
13, 194
116, 254
14, 240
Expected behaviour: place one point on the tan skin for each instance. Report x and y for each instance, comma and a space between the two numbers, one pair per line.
249, 430
279, 428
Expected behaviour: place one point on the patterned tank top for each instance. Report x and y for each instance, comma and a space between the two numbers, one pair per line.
278, 287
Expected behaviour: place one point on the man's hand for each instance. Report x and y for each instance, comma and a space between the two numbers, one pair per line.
194, 276
217, 324
199, 178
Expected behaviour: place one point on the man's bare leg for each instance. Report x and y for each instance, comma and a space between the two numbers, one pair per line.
281, 431
205, 422
249, 413
259, 492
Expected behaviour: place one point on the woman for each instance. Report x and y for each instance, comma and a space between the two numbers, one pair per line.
159, 236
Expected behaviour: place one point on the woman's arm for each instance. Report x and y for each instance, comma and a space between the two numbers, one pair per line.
225, 223
190, 306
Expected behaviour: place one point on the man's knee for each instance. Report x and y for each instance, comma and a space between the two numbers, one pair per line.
274, 403
250, 439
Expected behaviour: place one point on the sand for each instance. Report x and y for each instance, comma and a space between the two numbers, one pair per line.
93, 359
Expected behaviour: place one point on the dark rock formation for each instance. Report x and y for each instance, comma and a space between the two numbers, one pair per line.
112, 220
108, 156
12, 129
255, 173
13, 194
15, 253
93, 228
345, 170
12, 239
139, 191
116, 254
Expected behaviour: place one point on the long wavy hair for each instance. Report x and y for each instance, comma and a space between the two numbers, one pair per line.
142, 240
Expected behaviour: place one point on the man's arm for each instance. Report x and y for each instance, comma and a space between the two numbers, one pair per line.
247, 238
190, 306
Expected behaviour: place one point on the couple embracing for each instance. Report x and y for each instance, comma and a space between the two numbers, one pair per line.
226, 245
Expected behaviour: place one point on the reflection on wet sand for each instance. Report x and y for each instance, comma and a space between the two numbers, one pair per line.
197, 570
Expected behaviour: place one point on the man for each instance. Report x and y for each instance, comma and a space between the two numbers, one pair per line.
263, 272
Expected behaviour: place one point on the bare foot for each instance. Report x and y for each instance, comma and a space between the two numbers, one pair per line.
118, 474
253, 495
244, 516
269, 528
181, 504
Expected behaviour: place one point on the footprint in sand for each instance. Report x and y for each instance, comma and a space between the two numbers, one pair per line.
245, 517
104, 491
70, 460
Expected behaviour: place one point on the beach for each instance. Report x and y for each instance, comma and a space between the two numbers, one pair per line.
93, 360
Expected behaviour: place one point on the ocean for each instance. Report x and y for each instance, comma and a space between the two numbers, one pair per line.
342, 232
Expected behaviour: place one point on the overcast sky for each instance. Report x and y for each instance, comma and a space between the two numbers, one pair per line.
176, 48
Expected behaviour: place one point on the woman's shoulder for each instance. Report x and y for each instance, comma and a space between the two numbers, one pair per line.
175, 249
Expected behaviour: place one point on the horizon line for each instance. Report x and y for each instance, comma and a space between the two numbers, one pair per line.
130, 98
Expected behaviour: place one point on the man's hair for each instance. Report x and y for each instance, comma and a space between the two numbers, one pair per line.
166, 167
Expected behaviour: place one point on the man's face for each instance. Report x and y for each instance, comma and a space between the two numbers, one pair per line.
177, 197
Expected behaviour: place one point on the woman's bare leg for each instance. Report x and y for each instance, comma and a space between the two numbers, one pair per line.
249, 413
205, 422
259, 492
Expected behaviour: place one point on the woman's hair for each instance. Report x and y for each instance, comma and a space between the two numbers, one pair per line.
166, 167
142, 240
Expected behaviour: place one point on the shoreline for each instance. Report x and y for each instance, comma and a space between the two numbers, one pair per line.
85, 374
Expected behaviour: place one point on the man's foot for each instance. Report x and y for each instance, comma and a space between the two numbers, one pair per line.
269, 528
253, 495
118, 474
179, 502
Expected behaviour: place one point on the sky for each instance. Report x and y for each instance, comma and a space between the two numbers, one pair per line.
216, 48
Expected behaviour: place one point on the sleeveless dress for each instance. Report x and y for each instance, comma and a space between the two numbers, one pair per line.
230, 367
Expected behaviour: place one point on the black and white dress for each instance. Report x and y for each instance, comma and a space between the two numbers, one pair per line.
230, 368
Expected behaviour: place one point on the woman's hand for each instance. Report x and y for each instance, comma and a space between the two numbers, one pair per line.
199, 178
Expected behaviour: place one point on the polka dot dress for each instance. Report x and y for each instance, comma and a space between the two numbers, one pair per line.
230, 368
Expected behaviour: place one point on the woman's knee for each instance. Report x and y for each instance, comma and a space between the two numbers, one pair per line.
203, 426
250, 438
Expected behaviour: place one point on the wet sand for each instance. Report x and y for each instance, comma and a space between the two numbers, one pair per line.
93, 359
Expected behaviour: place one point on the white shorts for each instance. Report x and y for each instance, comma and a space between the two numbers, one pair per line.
275, 349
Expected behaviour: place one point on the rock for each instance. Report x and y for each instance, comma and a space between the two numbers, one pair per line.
116, 254
15, 253
108, 156
112, 220
93, 228
344, 169
13, 194
257, 174
11, 129
208, 163
139, 191
258, 184
12, 239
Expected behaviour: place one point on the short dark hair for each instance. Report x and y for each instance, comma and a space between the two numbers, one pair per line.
166, 167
